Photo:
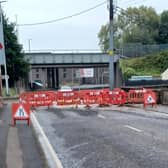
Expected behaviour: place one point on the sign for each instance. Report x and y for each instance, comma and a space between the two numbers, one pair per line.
85, 73
110, 52
149, 99
20, 111
3, 76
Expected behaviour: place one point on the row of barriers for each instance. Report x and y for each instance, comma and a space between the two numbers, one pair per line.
88, 97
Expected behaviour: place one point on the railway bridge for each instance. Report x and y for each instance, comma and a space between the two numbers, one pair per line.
55, 69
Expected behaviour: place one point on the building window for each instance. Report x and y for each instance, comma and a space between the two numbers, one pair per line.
37, 70
37, 76
64, 75
64, 72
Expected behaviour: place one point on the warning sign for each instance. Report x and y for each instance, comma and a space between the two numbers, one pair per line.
20, 112
149, 99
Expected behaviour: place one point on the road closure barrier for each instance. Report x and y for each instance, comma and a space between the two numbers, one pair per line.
40, 98
91, 97
102, 97
136, 96
67, 98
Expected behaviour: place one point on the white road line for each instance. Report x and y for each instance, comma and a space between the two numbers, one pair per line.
133, 128
50, 154
101, 116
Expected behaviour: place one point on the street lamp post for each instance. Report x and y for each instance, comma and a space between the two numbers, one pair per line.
3, 49
29, 44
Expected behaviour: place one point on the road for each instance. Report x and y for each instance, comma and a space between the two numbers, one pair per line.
18, 145
105, 138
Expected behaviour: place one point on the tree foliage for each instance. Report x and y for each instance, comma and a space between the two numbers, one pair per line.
17, 66
163, 29
136, 25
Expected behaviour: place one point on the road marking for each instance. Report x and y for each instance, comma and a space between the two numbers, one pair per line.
77, 146
101, 116
133, 128
50, 153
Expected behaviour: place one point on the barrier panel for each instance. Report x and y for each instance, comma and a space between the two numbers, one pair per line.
67, 98
104, 98
136, 96
90, 97
36, 99
117, 96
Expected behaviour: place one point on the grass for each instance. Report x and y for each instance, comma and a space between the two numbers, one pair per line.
12, 92
152, 65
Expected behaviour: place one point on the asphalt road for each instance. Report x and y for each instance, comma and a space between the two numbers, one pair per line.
105, 138
18, 146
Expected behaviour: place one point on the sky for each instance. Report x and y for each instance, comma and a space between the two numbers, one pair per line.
76, 33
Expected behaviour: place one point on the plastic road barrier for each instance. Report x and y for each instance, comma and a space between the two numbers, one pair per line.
136, 96
91, 97
117, 96
67, 98
35, 99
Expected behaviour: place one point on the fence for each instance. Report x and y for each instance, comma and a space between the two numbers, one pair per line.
137, 49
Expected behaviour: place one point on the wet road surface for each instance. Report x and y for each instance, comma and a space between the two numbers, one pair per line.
101, 138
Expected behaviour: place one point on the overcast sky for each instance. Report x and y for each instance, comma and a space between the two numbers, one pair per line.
76, 33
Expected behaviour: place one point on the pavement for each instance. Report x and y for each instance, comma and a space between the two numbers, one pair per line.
108, 137
18, 145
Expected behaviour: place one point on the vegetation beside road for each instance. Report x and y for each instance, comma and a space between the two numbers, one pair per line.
153, 65
136, 25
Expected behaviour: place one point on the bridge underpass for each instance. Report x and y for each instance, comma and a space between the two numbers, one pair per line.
55, 69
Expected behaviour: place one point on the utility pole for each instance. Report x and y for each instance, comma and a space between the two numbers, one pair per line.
29, 43
17, 27
2, 53
111, 56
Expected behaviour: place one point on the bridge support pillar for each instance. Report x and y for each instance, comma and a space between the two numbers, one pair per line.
118, 75
57, 77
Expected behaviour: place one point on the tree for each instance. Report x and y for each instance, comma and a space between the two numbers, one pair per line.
163, 28
133, 25
103, 36
17, 66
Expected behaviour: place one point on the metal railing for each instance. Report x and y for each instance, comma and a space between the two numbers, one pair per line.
138, 50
